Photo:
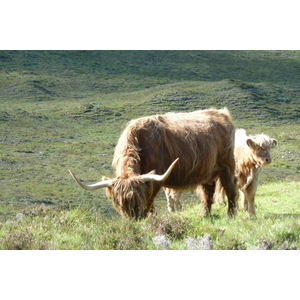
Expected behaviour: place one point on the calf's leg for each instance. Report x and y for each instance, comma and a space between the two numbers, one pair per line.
173, 199
250, 196
244, 201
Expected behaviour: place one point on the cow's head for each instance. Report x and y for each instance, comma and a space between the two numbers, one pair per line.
260, 146
132, 196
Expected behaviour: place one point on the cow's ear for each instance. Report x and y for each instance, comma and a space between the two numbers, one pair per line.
251, 143
108, 192
274, 143
107, 189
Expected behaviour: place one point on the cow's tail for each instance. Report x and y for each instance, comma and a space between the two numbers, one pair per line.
219, 195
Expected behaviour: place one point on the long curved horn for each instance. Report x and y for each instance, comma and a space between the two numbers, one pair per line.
96, 186
155, 177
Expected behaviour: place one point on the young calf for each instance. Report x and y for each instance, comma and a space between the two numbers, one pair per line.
251, 154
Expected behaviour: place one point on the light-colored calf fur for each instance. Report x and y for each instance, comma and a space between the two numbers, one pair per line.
251, 154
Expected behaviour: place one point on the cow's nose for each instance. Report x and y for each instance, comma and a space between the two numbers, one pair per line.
268, 160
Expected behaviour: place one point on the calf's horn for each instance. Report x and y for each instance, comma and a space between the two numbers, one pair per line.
96, 186
155, 177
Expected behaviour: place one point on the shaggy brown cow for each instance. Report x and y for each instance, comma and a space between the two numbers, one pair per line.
251, 154
202, 140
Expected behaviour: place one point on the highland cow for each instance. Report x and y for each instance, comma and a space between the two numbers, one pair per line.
202, 140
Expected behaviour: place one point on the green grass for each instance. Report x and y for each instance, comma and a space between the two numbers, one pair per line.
276, 226
66, 109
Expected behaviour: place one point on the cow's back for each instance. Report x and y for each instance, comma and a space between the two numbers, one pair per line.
200, 139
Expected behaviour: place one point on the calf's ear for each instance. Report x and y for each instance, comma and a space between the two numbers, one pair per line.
251, 143
274, 143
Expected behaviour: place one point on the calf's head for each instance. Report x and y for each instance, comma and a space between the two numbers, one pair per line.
132, 196
260, 146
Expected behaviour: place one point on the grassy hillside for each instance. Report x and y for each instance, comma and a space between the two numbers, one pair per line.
66, 109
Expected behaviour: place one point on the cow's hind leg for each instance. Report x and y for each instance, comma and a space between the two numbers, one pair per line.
206, 192
228, 181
